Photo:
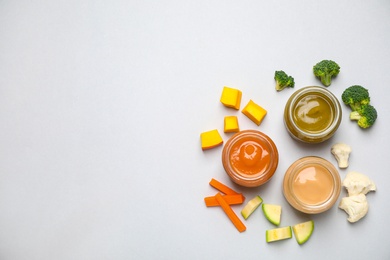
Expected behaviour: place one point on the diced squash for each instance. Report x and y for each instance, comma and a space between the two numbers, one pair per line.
278, 234
210, 139
254, 112
231, 97
272, 213
303, 231
251, 206
231, 124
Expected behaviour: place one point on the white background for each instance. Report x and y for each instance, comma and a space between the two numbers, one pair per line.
102, 104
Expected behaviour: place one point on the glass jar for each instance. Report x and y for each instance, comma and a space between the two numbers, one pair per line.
250, 158
311, 185
312, 114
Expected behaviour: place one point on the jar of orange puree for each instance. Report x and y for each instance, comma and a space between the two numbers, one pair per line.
250, 158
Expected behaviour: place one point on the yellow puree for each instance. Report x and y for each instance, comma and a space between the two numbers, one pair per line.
313, 113
313, 185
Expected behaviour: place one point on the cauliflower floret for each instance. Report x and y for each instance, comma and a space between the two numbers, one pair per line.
357, 183
355, 206
341, 152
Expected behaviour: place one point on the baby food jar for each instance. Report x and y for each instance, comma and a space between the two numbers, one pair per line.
311, 185
312, 114
250, 158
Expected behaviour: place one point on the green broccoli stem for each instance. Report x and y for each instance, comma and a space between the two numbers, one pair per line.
326, 79
355, 107
354, 115
279, 87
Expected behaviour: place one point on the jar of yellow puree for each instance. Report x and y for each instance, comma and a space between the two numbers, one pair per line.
312, 114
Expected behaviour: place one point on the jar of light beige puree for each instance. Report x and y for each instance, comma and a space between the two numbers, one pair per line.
311, 185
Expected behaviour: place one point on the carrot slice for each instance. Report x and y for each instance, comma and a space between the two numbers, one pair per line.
222, 187
230, 199
230, 213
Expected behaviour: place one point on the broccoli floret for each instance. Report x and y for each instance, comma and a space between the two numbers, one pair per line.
325, 70
283, 80
365, 116
355, 96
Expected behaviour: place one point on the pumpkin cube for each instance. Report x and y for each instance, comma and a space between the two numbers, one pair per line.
254, 112
231, 124
231, 97
210, 139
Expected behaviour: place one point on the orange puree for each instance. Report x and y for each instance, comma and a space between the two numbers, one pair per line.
249, 157
313, 185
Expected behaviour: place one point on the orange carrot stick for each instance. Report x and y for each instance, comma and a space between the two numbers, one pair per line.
222, 187
230, 199
230, 213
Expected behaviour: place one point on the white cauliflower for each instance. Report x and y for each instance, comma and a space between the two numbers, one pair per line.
341, 152
355, 206
358, 183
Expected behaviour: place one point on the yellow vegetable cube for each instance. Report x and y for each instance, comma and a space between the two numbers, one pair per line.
255, 112
231, 124
210, 139
231, 97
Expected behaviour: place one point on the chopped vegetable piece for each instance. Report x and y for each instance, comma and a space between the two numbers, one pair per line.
356, 183
303, 231
210, 139
231, 124
341, 152
283, 80
356, 206
356, 96
230, 213
251, 206
254, 112
278, 234
231, 97
230, 199
272, 213
365, 116
222, 187
325, 70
